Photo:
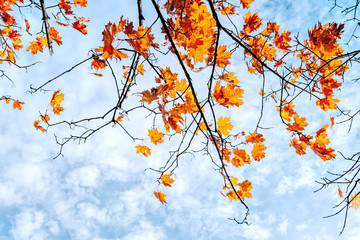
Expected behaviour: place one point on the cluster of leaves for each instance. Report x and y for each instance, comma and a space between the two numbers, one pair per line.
190, 32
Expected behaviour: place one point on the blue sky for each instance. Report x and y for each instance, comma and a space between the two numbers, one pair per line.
99, 190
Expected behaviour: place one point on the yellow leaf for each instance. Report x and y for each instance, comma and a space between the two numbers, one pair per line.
161, 196
224, 125
355, 201
166, 180
143, 149
156, 136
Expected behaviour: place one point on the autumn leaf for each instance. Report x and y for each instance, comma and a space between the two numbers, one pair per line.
80, 27
17, 104
98, 63
55, 102
340, 192
156, 136
141, 69
241, 158
332, 122
82, 3
54, 36
355, 201
119, 118
223, 56
258, 151
224, 125
37, 126
246, 3
57, 98
27, 27
143, 149
252, 22
161, 196
45, 118
166, 180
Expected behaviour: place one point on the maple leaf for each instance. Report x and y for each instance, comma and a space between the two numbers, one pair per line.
27, 27
156, 136
37, 126
45, 118
300, 147
57, 98
332, 122
64, 4
258, 151
246, 3
298, 125
82, 3
119, 118
252, 22
35, 46
161, 196
230, 95
255, 138
98, 63
140, 69
80, 27
17, 104
241, 158
54, 36
153, 94
340, 192
143, 149
166, 180
355, 201
222, 56
55, 102
327, 103
7, 100
282, 41
224, 125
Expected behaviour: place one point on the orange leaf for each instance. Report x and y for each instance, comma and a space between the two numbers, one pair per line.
119, 118
45, 118
355, 201
259, 151
331, 122
55, 102
340, 192
156, 136
224, 125
161, 196
141, 69
27, 27
80, 27
82, 3
17, 104
246, 3
37, 126
166, 180
143, 149
222, 56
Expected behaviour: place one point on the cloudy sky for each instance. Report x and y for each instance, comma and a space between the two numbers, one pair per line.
99, 189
